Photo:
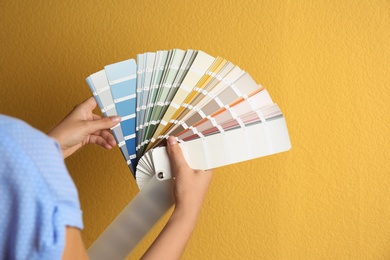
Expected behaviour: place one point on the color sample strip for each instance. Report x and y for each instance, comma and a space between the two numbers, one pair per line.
183, 70
153, 101
235, 92
140, 79
262, 115
164, 89
200, 65
178, 79
98, 84
217, 85
201, 95
221, 67
149, 61
215, 68
187, 61
253, 103
122, 81
237, 145
158, 71
95, 95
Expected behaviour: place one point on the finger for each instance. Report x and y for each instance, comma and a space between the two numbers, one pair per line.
104, 133
176, 158
100, 124
96, 139
89, 103
107, 136
96, 117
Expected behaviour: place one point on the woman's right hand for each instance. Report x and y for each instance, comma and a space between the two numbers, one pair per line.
190, 186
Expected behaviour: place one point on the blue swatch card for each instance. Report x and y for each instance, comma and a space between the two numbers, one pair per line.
122, 79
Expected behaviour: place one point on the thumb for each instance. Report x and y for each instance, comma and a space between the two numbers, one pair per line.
176, 157
103, 123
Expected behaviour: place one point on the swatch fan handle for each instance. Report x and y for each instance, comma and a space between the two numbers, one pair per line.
136, 220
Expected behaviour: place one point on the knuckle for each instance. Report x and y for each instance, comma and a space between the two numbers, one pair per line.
107, 121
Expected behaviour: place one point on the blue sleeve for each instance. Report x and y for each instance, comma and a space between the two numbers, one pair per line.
38, 198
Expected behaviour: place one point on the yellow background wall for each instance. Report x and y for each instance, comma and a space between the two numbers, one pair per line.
326, 63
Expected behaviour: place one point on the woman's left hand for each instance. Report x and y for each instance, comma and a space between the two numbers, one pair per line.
81, 126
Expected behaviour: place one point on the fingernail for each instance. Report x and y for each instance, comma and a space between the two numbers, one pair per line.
172, 140
116, 119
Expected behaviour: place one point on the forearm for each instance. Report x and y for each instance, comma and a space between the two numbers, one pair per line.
173, 239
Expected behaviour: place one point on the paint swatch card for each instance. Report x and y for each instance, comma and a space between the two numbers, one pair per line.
218, 113
207, 103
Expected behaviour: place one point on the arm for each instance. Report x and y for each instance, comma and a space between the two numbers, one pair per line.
190, 188
74, 246
78, 128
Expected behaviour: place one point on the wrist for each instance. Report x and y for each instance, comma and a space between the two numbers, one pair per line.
187, 211
57, 137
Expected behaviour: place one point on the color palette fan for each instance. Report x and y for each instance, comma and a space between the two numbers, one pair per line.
216, 110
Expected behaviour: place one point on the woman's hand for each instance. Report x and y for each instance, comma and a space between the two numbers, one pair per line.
190, 188
82, 127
